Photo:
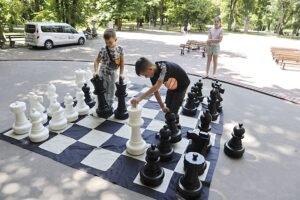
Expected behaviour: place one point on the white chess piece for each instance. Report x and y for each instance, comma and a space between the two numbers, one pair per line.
35, 102
51, 95
22, 124
94, 109
80, 78
136, 145
38, 132
58, 121
81, 106
70, 113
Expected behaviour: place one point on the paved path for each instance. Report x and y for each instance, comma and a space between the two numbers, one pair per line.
269, 169
245, 59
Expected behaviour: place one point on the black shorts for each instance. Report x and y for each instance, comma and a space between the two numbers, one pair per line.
174, 100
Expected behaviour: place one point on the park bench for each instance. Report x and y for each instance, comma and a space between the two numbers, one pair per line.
13, 38
193, 45
285, 56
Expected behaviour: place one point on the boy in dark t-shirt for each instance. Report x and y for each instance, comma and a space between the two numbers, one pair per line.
167, 73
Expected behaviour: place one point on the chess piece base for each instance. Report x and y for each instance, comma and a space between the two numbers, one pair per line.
136, 149
214, 117
72, 118
83, 111
42, 136
23, 129
186, 193
189, 112
233, 153
58, 126
176, 138
152, 181
164, 157
121, 115
104, 113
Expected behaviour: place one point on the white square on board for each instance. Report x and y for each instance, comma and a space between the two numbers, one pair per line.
101, 159
149, 113
90, 122
57, 144
95, 138
11, 134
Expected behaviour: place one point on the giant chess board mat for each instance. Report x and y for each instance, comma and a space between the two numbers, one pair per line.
98, 146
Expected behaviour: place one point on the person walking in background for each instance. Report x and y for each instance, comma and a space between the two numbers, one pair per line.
215, 36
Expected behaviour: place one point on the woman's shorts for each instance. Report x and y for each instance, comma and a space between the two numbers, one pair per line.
213, 50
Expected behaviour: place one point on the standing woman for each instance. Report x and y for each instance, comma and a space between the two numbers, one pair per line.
215, 36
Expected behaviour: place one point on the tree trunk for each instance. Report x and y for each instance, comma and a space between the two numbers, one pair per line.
154, 16
231, 13
67, 12
161, 13
36, 5
73, 15
62, 11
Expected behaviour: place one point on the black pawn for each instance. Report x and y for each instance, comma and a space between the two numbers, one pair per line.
194, 89
199, 86
121, 111
234, 147
189, 109
200, 142
87, 96
212, 104
201, 161
205, 120
189, 185
165, 149
152, 174
171, 123
103, 110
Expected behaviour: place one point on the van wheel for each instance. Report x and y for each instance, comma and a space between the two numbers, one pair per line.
48, 44
81, 41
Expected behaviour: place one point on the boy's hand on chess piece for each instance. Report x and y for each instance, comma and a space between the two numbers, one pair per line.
122, 76
95, 74
134, 102
165, 109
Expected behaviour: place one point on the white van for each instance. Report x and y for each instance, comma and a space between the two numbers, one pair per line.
48, 34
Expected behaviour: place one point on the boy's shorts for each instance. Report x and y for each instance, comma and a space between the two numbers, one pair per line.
174, 100
213, 50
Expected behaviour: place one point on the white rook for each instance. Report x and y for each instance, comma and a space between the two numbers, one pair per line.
22, 124
136, 145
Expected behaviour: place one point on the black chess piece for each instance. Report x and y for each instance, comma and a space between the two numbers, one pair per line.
165, 148
103, 110
195, 90
205, 120
199, 86
152, 174
220, 91
201, 159
212, 104
87, 96
234, 147
121, 111
189, 185
189, 109
172, 126
200, 142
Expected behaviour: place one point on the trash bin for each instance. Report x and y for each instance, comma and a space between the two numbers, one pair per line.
12, 44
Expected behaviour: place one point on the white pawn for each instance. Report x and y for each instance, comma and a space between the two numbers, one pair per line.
22, 124
58, 121
51, 95
38, 132
70, 113
81, 106
136, 145
35, 102
80, 78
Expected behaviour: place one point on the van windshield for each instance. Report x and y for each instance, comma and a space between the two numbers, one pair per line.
30, 28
